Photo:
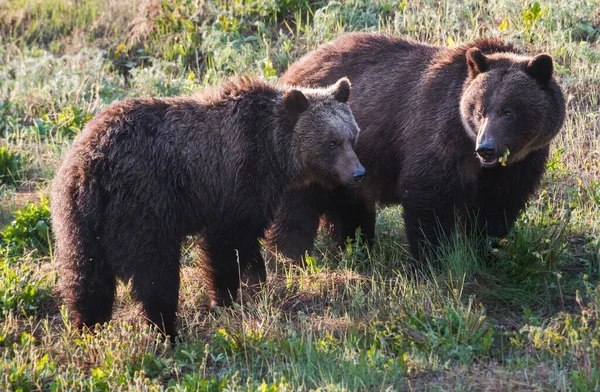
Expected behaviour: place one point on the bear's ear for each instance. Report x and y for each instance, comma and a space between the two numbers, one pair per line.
295, 102
341, 90
476, 61
541, 68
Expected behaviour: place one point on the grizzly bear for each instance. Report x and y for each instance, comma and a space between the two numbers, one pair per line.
147, 172
452, 135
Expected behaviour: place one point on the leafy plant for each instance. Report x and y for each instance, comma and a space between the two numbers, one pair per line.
11, 166
531, 15
555, 166
537, 243
29, 230
460, 333
20, 289
70, 121
573, 339
65, 124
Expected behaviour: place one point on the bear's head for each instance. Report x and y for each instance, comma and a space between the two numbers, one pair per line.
510, 106
325, 134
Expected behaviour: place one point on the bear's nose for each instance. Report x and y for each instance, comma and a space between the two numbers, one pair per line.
359, 173
487, 149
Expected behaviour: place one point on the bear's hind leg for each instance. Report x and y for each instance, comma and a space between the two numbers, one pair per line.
87, 281
226, 260
89, 292
156, 285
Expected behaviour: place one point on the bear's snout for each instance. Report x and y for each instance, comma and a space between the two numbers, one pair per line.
359, 173
487, 149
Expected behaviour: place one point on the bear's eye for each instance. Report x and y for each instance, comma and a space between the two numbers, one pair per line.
333, 144
504, 112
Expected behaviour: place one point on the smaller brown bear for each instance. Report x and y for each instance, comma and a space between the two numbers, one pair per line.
147, 172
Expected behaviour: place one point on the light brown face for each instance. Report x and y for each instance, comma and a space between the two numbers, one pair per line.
326, 134
510, 107
329, 156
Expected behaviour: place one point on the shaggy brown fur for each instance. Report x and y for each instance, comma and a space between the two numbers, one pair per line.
147, 172
423, 112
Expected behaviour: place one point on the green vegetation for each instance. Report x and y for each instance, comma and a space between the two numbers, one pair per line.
10, 166
523, 316
29, 231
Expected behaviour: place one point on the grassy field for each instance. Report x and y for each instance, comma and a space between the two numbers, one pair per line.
524, 316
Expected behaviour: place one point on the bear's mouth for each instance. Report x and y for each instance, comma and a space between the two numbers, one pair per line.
487, 161
356, 182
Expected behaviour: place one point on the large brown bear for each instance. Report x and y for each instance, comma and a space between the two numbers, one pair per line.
446, 133
147, 172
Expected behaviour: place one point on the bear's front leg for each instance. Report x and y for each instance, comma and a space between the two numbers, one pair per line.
427, 230
296, 222
348, 212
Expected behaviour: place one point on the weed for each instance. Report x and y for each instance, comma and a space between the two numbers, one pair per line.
11, 166
30, 230
20, 290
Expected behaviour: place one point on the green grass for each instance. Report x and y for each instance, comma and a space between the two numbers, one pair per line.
521, 316
11, 164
